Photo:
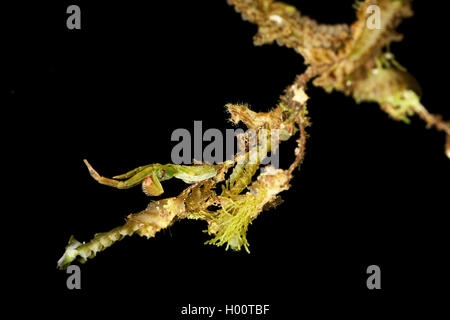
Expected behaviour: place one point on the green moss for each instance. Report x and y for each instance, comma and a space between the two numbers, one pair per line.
233, 221
403, 104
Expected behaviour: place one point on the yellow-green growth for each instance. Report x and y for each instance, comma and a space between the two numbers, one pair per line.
233, 220
238, 211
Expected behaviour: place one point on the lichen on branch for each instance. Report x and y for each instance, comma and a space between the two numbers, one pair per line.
352, 59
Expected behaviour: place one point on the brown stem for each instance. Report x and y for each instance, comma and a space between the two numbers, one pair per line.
433, 120
300, 151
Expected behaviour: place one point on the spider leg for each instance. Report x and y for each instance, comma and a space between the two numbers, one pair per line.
131, 182
131, 173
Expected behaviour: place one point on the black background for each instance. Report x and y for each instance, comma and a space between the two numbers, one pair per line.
370, 191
